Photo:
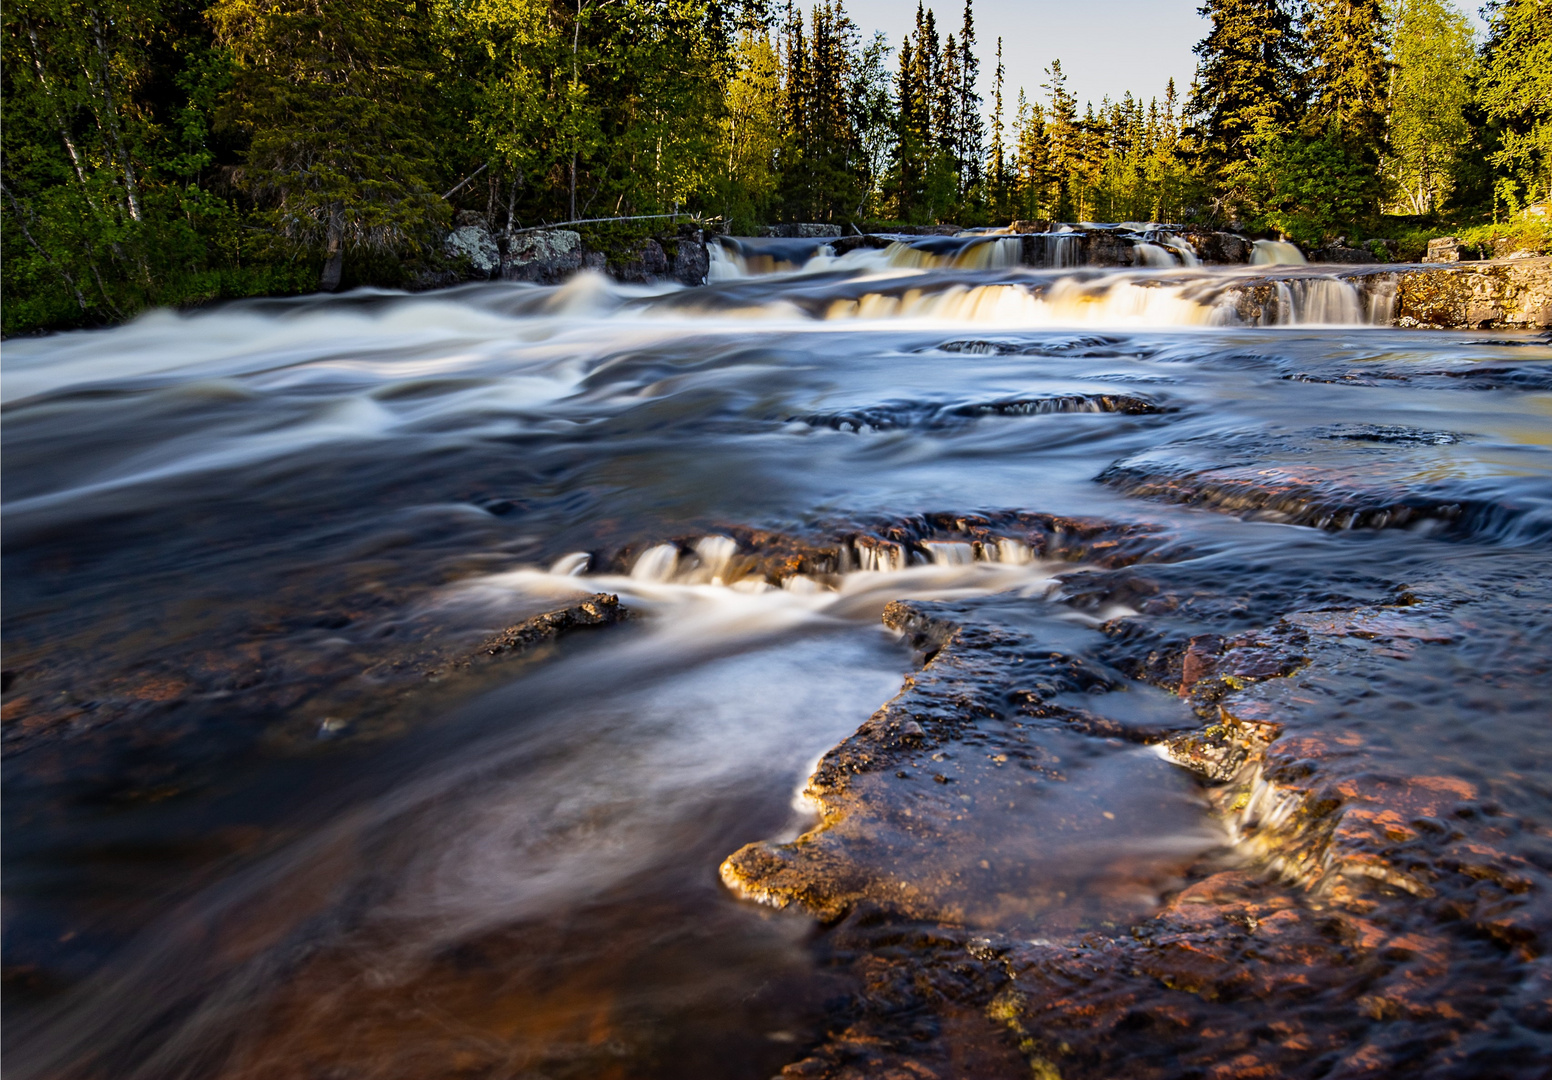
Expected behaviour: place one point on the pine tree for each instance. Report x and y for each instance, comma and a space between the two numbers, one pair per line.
1247, 90
1349, 73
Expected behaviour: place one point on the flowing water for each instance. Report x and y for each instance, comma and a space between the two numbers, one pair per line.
236, 845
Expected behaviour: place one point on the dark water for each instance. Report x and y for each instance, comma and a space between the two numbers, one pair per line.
227, 853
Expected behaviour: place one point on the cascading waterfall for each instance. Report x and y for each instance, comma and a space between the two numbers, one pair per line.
1276, 253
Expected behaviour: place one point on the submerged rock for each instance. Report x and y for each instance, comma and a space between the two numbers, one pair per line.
1373, 912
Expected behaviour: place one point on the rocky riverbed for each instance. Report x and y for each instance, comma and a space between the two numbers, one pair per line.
889, 658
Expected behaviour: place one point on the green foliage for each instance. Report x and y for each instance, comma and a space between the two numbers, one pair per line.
156, 152
1434, 58
1248, 92
1314, 187
335, 97
1516, 93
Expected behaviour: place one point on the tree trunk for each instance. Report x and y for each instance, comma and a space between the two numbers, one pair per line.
334, 261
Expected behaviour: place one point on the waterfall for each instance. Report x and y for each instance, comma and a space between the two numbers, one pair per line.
1276, 253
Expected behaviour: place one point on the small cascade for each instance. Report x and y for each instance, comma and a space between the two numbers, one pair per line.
656, 563
724, 262
1154, 255
1181, 248
994, 253
1277, 253
1326, 301
1059, 250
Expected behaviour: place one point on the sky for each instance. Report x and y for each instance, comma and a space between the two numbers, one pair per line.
1105, 46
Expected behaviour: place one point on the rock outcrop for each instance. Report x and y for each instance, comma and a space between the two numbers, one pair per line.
802, 231
1499, 294
542, 256
472, 241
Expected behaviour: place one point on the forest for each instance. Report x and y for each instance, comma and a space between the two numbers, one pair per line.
174, 152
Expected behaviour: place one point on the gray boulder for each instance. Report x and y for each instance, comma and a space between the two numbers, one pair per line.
474, 243
650, 261
1443, 249
544, 256
1341, 253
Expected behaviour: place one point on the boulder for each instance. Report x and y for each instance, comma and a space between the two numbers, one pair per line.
1102, 247
1444, 249
542, 256
867, 240
1214, 245
1340, 253
691, 260
805, 231
650, 261
473, 242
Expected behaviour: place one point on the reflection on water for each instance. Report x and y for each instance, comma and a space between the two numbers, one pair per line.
214, 522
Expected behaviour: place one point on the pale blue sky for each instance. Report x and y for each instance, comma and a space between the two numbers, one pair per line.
1105, 46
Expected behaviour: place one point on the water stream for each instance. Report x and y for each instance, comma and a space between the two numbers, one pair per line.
231, 534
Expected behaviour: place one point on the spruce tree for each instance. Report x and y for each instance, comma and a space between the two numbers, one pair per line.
1247, 89
337, 99
970, 129
1349, 71
1062, 147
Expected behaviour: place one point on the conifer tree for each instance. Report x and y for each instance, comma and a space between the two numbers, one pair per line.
997, 172
970, 130
1349, 71
1247, 89
1062, 149
336, 96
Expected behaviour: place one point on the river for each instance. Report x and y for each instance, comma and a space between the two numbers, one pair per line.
263, 818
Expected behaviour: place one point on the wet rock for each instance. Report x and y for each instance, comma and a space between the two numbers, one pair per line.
774, 559
1391, 434
474, 243
648, 263
1106, 248
1215, 246
691, 260
1337, 253
1313, 495
928, 416
990, 762
542, 256
1383, 913
852, 243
